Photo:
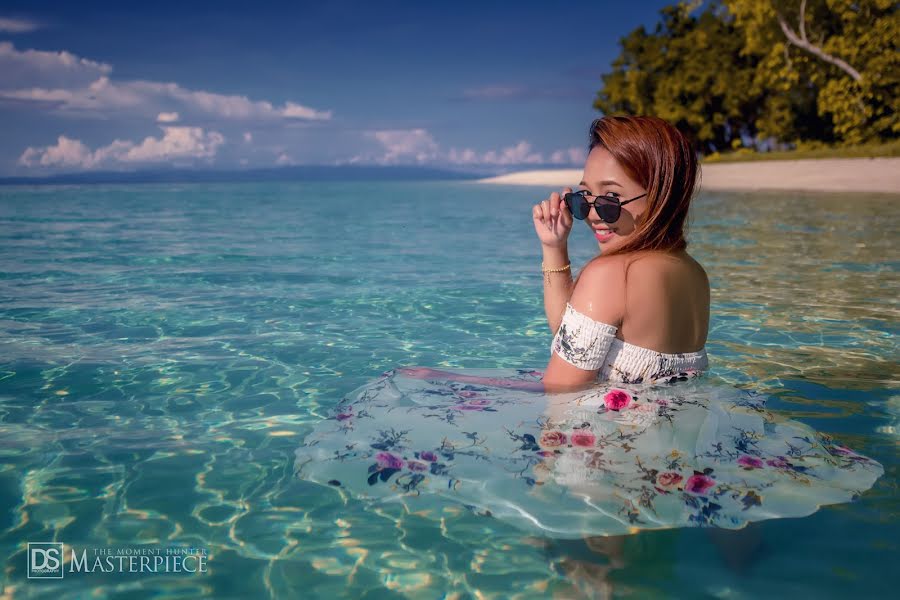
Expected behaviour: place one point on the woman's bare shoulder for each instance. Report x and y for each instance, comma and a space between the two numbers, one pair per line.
651, 260
650, 272
648, 264
695, 265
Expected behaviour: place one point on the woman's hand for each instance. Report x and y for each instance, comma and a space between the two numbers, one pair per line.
419, 372
553, 221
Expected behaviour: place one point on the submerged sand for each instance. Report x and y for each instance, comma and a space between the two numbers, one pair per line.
821, 175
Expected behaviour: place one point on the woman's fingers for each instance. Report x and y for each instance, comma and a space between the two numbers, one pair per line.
567, 216
553, 214
562, 199
554, 205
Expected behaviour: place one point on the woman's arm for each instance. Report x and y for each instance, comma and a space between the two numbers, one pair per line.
598, 308
512, 384
557, 286
552, 223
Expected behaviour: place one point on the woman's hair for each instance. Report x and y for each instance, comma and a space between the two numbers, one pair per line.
660, 158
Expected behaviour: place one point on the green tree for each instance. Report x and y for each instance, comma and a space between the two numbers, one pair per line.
691, 70
732, 72
843, 52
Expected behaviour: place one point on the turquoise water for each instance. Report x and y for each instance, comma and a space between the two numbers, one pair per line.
164, 349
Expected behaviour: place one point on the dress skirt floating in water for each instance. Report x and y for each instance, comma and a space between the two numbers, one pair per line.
611, 460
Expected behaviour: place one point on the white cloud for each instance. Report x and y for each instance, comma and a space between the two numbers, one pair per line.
66, 153
227, 107
65, 83
12, 25
167, 117
405, 146
572, 155
295, 111
519, 154
177, 142
186, 144
40, 69
462, 157
284, 159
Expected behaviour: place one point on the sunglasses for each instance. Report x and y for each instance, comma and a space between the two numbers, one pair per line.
609, 208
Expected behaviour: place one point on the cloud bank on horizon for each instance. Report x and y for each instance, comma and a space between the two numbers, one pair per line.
67, 110
62, 84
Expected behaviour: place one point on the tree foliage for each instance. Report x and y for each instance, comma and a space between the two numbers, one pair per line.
753, 72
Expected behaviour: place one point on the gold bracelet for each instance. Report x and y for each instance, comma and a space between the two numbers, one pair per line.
565, 268
548, 271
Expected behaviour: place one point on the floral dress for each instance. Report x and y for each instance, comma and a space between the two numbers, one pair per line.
679, 451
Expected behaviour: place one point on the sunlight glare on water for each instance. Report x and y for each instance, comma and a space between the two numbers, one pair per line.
164, 349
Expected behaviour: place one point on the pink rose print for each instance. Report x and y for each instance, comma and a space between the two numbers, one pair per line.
552, 439
617, 399
344, 414
698, 484
468, 394
668, 479
414, 465
386, 460
583, 437
662, 402
778, 463
428, 455
750, 462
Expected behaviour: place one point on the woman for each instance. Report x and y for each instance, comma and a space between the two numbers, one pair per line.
639, 311
635, 194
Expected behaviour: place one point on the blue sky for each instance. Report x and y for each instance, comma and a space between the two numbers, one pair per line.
467, 85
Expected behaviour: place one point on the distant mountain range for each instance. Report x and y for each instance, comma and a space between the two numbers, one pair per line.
293, 173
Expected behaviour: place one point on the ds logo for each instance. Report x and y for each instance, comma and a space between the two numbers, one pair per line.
45, 560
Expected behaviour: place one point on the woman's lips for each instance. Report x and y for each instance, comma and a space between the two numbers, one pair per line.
603, 235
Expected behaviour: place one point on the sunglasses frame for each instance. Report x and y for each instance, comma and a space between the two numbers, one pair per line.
596, 205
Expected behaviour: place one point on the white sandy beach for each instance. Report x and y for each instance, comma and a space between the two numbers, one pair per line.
822, 175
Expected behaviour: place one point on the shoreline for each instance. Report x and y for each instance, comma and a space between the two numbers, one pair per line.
881, 175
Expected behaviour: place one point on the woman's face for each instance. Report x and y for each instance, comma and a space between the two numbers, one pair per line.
603, 176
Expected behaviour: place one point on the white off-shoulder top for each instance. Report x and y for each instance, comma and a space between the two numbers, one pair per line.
590, 345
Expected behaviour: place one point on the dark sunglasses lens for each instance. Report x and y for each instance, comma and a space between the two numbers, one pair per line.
577, 205
609, 210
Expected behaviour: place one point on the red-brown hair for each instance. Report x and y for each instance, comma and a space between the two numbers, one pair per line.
660, 158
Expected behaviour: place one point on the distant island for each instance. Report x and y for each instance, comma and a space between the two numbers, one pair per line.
291, 173
878, 175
